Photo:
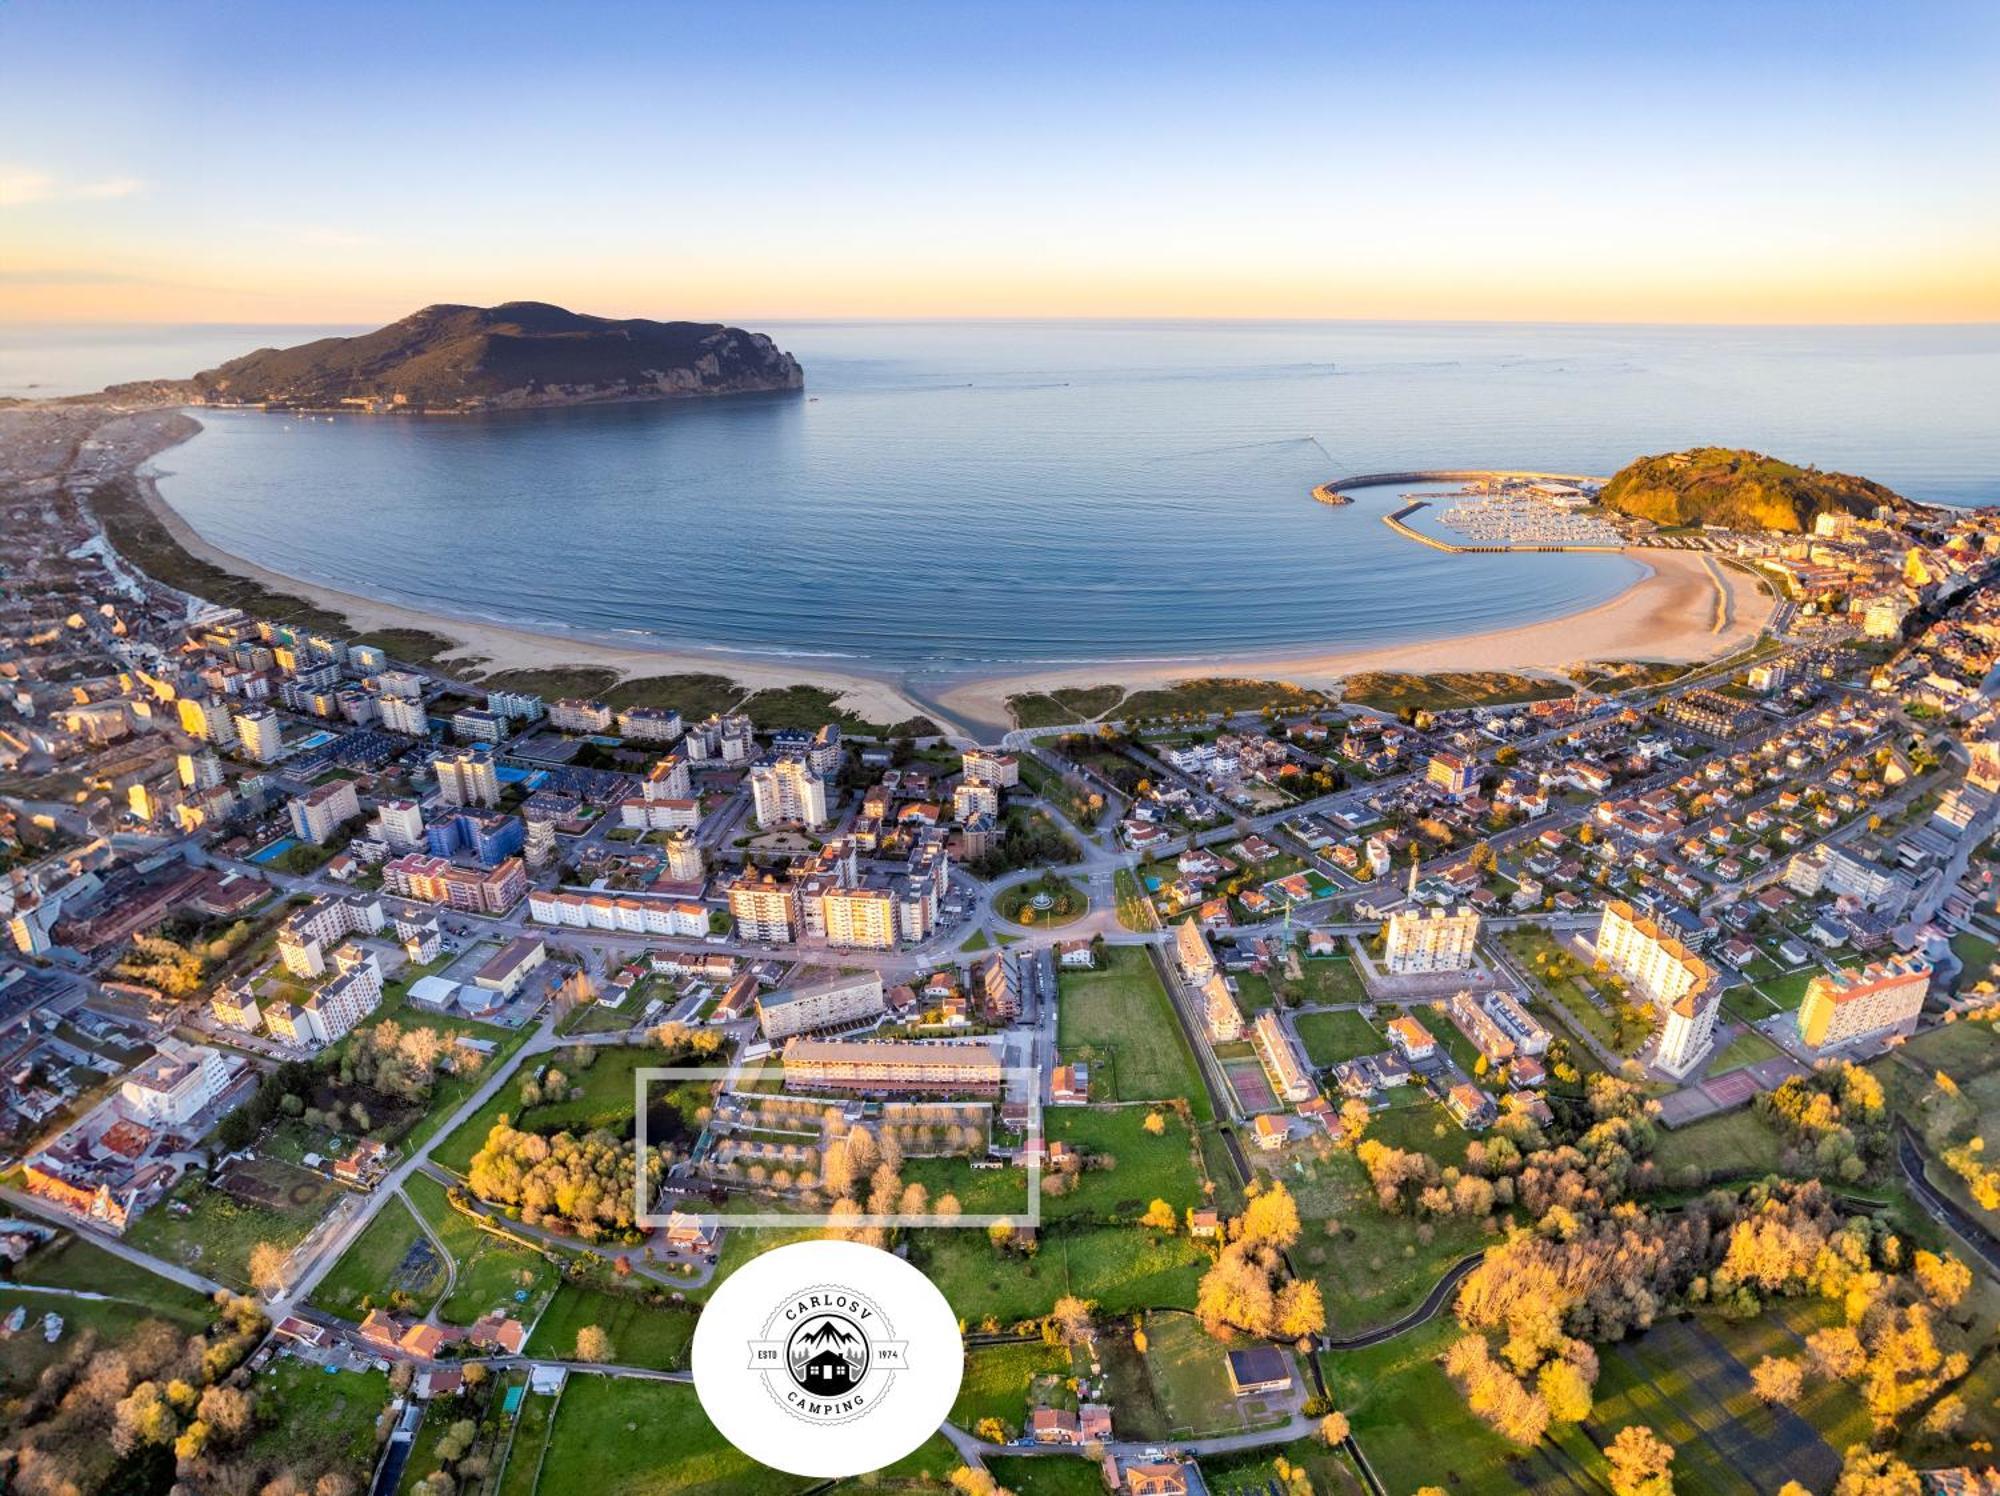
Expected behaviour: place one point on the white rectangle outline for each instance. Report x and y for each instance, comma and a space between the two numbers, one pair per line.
764, 1219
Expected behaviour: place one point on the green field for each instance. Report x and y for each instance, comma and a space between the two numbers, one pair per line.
1178, 1388
1120, 1016
28, 1354
219, 1229
392, 1254
998, 1378
1050, 1476
1731, 1144
324, 1421
1255, 1473
1330, 1038
491, 1271
72, 1262
1147, 1168
641, 1334
1122, 1269
1390, 691
616, 1437
524, 1453
606, 1101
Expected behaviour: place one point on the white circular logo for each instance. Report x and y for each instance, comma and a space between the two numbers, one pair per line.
827, 1358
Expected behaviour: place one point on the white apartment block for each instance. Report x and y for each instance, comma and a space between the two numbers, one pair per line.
649, 724
1288, 1076
207, 719
574, 715
516, 706
406, 684
1225, 1019
333, 1011
323, 810
786, 791
235, 1006
632, 916
258, 730
405, 714
862, 918
399, 824
764, 908
1191, 950
659, 815
467, 778
174, 1087
972, 798
1001, 770
199, 771
685, 862
1428, 940
307, 935
829, 1004
1678, 983
669, 779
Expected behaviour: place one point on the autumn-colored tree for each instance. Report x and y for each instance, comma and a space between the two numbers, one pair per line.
1160, 1216
1300, 1310
1566, 1390
1155, 1123
1071, 1317
1836, 1353
1943, 1278
1779, 1380
1641, 1462
1333, 1428
267, 1266
593, 1344
1270, 1218
1868, 1472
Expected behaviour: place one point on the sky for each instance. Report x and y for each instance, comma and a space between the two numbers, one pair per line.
1659, 162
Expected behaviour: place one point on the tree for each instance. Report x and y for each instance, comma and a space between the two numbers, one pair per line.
1300, 1309
267, 1266
593, 1344
1333, 1428
969, 1482
1641, 1462
1071, 1316
1155, 1123
1944, 1279
1159, 1215
1566, 1390
1779, 1380
1867, 1472
1270, 1219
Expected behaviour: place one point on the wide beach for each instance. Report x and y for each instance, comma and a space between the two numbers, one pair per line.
1685, 607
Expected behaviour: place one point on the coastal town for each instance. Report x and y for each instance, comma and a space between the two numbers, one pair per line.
1461, 1082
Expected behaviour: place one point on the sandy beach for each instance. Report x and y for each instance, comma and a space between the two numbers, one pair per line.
1687, 607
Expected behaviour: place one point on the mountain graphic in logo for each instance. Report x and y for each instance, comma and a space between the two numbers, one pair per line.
827, 1355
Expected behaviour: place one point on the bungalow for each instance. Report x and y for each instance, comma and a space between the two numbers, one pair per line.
1271, 1132
1258, 1370
1130, 1477
1412, 1038
1055, 1426
1069, 1085
1205, 1222
1093, 1422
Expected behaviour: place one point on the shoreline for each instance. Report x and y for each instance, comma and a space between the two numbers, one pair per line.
1684, 608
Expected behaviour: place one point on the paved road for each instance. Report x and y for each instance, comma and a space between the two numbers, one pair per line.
1910, 1154
1438, 1297
172, 1272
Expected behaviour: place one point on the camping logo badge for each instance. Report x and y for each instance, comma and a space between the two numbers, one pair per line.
827, 1358
828, 1354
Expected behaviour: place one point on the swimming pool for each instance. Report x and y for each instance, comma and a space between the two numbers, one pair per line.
314, 740
276, 850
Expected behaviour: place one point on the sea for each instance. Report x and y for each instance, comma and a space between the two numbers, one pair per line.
956, 499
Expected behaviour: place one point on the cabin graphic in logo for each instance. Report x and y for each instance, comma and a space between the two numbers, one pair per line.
827, 1355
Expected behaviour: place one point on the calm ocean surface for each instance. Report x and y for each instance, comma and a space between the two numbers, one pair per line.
968, 498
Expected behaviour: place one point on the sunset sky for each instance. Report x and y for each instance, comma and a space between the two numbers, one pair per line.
1650, 162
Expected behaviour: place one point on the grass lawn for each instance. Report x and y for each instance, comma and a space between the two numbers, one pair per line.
1732, 1144
1330, 1038
28, 1354
1370, 1267
323, 1421
1787, 992
1747, 1048
524, 1454
641, 1334
218, 1230
72, 1262
392, 1254
1977, 952
1254, 1473
1410, 1421
1332, 979
998, 1378
1190, 1382
491, 1270
1147, 1168
605, 1101
617, 1437
1066, 902
1122, 1014
1121, 1268
1054, 1475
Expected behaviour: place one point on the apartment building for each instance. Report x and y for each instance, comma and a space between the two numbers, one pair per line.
323, 810
331, 1012
1680, 985
404, 714
625, 913
1430, 940
1001, 770
1288, 1074
764, 907
260, 734
467, 777
1457, 774
828, 1004
515, 706
472, 724
685, 861
1871, 1002
399, 825
205, 718
974, 797
887, 1065
175, 1086
669, 779
649, 724
573, 714
308, 934
1225, 1019
787, 791
433, 880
